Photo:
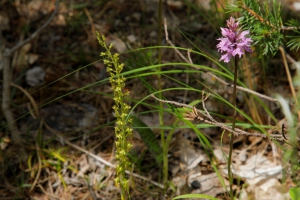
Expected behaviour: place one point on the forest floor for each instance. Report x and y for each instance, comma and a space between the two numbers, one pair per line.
68, 150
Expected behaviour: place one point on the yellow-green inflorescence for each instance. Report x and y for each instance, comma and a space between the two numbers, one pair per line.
123, 130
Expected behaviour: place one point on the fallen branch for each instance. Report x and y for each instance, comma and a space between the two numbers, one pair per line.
7, 76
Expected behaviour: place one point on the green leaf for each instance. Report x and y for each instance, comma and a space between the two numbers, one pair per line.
195, 196
295, 193
148, 138
294, 44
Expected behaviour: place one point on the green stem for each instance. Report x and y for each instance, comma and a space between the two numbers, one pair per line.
161, 114
230, 175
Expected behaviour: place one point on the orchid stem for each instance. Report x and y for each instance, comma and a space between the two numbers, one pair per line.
230, 175
161, 113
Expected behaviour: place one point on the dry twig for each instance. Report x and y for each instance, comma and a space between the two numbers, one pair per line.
289, 78
207, 118
39, 168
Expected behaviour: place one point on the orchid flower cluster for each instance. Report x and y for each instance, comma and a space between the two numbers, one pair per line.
234, 41
123, 128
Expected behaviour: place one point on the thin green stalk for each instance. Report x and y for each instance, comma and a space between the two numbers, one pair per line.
161, 113
230, 175
159, 38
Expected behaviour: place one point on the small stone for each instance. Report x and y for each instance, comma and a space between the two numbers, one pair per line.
137, 16
131, 38
35, 76
296, 6
119, 45
195, 185
153, 34
175, 5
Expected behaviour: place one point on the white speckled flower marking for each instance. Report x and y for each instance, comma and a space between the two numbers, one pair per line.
233, 41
